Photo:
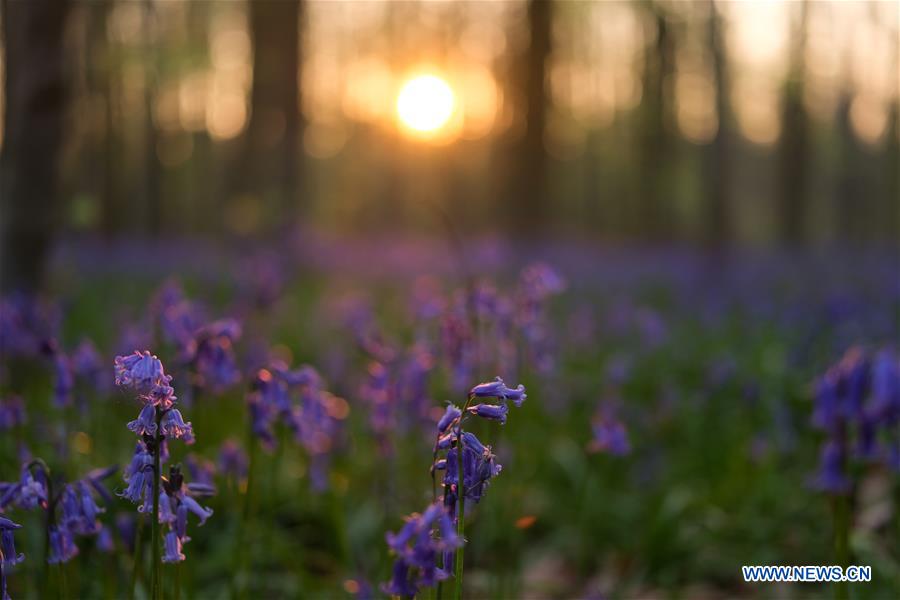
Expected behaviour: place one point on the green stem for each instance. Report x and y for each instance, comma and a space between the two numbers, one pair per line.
460, 514
241, 544
138, 554
842, 541
155, 581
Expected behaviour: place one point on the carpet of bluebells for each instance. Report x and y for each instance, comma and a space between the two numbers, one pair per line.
368, 419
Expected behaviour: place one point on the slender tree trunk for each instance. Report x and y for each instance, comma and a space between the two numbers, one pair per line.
793, 146
276, 123
655, 142
525, 193
718, 153
852, 199
36, 100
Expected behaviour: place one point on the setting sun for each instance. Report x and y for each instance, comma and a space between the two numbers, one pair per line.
425, 103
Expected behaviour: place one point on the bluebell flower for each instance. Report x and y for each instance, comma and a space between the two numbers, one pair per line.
610, 436
417, 546
78, 511
172, 547
89, 367
8, 553
105, 541
174, 427
139, 475
479, 467
498, 389
400, 583
450, 415
495, 412
145, 424
832, 469
12, 413
233, 461
214, 358
140, 371
201, 470
64, 380
29, 493
62, 545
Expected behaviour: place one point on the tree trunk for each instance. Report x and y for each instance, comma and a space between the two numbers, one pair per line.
273, 132
793, 147
525, 192
718, 153
652, 215
36, 100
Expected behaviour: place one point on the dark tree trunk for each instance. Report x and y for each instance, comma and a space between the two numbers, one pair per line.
655, 144
36, 100
271, 141
718, 152
852, 198
525, 191
793, 146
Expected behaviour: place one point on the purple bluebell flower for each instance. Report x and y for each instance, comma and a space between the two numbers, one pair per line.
214, 358
78, 511
174, 427
831, 476
166, 513
479, 467
417, 546
200, 469
89, 367
856, 405
139, 475
498, 389
105, 541
495, 412
450, 415
141, 371
64, 379
12, 413
8, 555
28, 493
610, 436
172, 547
233, 461
145, 424
62, 545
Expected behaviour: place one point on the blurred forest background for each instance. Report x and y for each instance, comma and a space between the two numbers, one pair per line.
709, 123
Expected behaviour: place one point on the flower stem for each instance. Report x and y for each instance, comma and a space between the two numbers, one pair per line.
155, 583
138, 554
460, 513
841, 541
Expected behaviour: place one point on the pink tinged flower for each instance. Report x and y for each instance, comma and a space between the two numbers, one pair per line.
172, 552
173, 426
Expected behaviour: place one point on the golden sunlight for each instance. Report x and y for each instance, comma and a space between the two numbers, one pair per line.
425, 104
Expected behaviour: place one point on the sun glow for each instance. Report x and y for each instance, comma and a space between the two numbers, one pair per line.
425, 104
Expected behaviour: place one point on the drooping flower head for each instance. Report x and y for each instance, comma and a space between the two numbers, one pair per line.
141, 371
417, 545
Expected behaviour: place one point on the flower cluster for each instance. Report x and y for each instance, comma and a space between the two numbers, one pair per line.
465, 478
298, 400
417, 546
204, 348
479, 464
158, 422
72, 512
176, 500
397, 393
857, 405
